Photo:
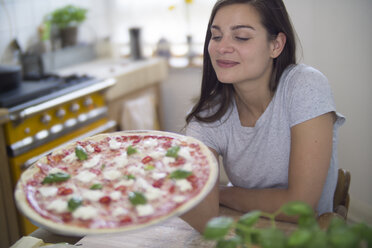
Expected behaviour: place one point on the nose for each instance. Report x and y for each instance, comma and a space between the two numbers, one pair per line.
224, 46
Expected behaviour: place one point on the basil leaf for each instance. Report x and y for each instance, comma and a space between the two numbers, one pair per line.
81, 153
74, 203
180, 174
96, 186
137, 198
173, 152
129, 177
218, 227
297, 208
250, 218
56, 177
149, 167
131, 150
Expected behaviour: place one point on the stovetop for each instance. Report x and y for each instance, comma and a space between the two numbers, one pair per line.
32, 92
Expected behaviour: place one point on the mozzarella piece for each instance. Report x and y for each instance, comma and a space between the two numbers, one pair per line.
57, 205
89, 148
125, 183
144, 210
185, 152
56, 170
121, 161
187, 167
119, 211
179, 198
158, 175
153, 193
85, 176
183, 185
115, 195
167, 160
70, 158
92, 162
85, 212
114, 145
136, 170
92, 195
48, 191
150, 143
111, 174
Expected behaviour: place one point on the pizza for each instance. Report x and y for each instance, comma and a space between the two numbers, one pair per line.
116, 182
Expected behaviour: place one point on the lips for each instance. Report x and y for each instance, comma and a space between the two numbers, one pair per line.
226, 63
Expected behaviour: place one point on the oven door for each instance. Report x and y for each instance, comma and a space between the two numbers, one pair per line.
21, 162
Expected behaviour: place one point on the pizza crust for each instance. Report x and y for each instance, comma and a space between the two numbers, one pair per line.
27, 210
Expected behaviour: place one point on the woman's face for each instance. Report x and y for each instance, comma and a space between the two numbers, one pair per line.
239, 47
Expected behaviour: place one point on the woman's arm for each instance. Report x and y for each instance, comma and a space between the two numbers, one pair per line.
204, 211
310, 155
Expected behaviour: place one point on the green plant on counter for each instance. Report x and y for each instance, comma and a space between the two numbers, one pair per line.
308, 234
67, 16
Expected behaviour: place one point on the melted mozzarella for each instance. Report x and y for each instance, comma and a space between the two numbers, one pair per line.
179, 198
183, 185
85, 212
185, 152
136, 170
115, 195
167, 160
114, 145
92, 162
111, 174
56, 170
89, 148
125, 183
48, 191
70, 158
119, 211
92, 195
150, 143
85, 176
144, 210
58, 206
158, 175
121, 161
187, 167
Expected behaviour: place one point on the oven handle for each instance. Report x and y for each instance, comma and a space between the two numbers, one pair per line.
100, 129
62, 99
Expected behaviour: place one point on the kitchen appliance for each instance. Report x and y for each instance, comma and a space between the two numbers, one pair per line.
48, 113
10, 77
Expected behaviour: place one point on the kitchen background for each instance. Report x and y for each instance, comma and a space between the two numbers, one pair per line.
335, 36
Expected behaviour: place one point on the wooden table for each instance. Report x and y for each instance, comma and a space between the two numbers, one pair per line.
173, 233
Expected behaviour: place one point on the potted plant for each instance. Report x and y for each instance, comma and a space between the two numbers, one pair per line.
66, 20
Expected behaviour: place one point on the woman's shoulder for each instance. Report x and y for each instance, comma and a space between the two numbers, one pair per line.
301, 76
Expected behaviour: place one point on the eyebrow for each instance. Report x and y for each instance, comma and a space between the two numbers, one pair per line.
234, 27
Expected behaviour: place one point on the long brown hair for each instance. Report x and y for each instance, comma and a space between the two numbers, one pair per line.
275, 19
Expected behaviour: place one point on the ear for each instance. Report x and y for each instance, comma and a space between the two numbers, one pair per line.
278, 45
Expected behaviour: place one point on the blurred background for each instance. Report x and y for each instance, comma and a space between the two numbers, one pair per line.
335, 38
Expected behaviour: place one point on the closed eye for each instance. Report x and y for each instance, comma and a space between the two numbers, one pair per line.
242, 38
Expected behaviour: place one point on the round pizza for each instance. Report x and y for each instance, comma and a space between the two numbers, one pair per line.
116, 182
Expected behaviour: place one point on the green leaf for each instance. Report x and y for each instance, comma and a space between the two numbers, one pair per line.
297, 208
318, 239
299, 237
272, 238
180, 174
81, 153
137, 198
129, 177
342, 237
96, 186
149, 167
131, 150
173, 151
363, 231
249, 219
74, 203
218, 227
56, 177
229, 243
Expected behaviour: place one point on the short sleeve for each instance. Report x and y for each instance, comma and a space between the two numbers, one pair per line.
202, 132
309, 95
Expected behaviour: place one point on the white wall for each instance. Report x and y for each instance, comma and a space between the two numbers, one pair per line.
336, 37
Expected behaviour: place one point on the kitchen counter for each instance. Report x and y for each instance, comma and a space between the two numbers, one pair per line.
133, 79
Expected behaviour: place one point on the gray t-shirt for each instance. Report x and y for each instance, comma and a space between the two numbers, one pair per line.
258, 157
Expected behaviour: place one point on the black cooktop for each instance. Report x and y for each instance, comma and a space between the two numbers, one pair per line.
42, 89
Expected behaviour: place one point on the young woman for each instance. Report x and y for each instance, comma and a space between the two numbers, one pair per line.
273, 121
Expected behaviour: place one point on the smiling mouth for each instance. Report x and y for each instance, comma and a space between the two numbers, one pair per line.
226, 63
